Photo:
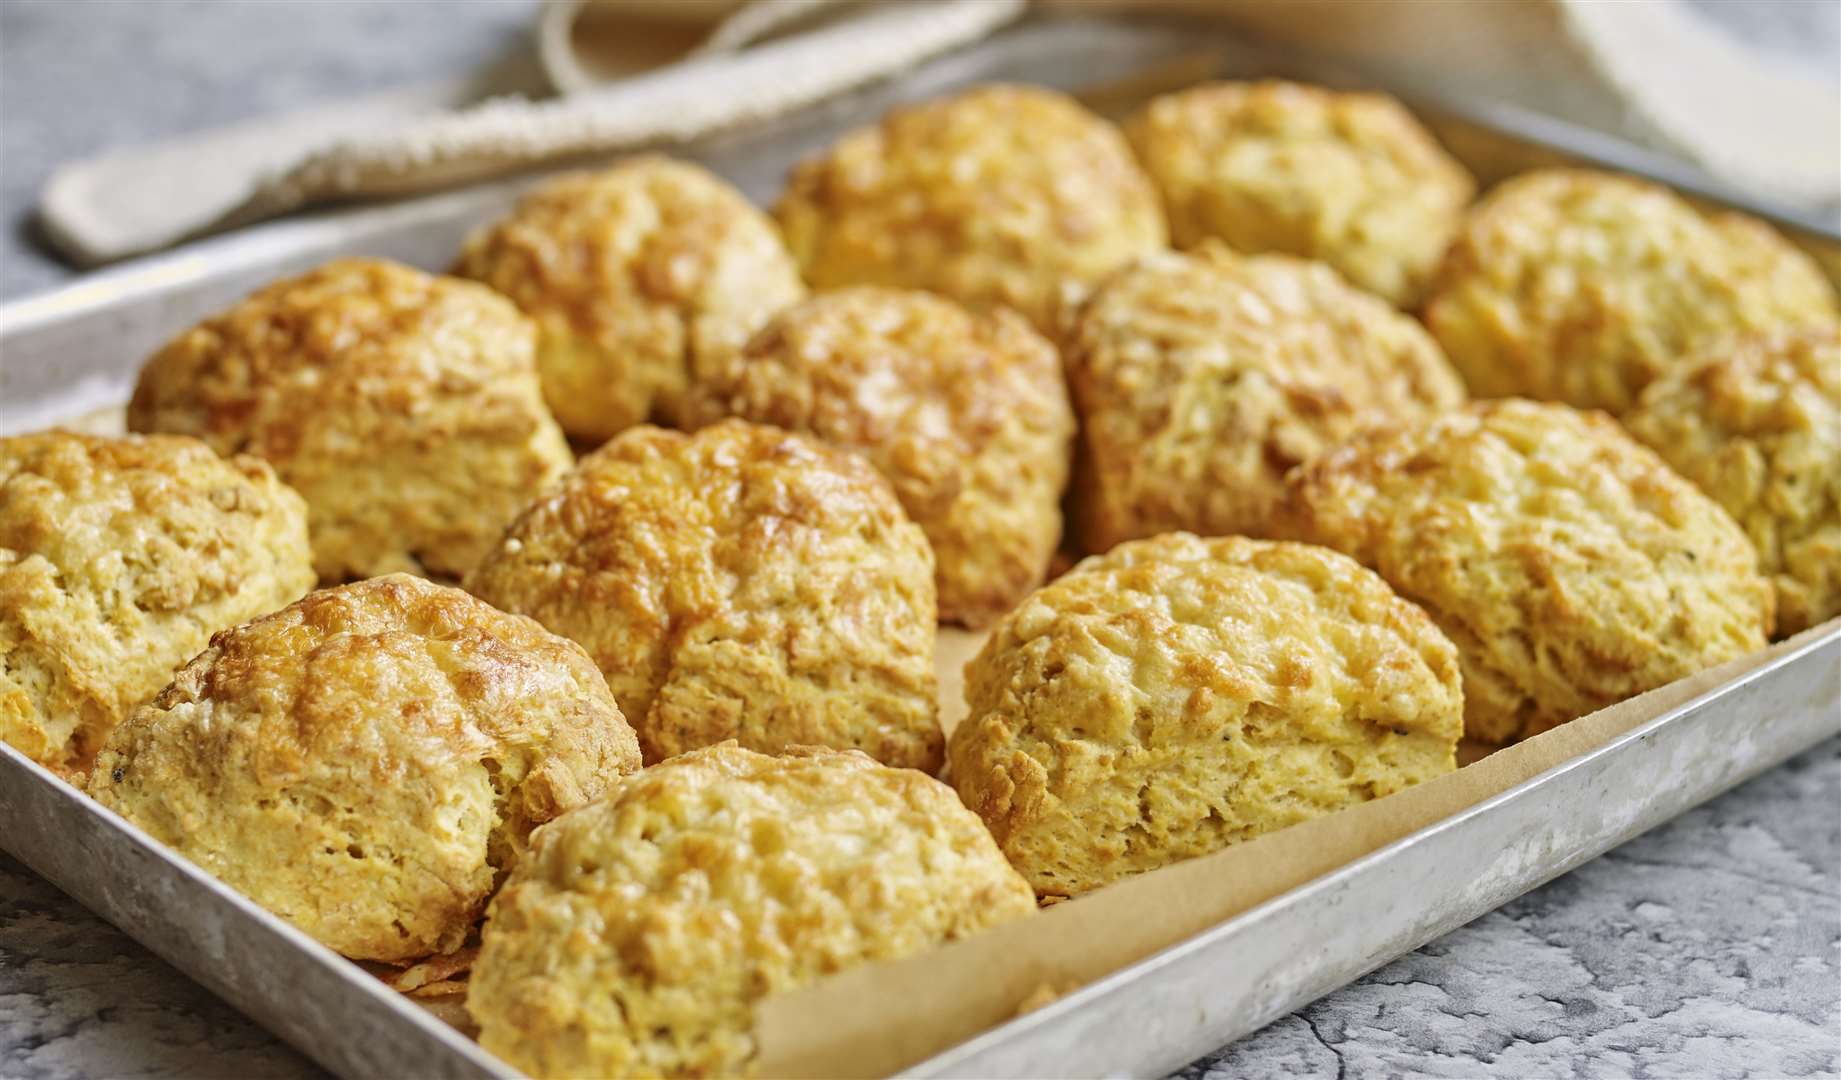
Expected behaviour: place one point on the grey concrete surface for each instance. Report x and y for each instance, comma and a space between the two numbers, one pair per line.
1710, 947
78, 77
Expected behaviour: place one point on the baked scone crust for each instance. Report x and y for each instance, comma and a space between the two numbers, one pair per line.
1584, 287
738, 583
1177, 695
1349, 178
638, 936
966, 415
1571, 567
118, 559
1201, 378
1000, 195
368, 762
638, 276
404, 407
1757, 426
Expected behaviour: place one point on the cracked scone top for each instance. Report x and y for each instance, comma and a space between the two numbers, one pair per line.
637, 276
118, 559
1201, 378
1177, 695
1756, 424
965, 414
1348, 178
739, 583
368, 762
1572, 568
1000, 195
1583, 287
642, 930
404, 407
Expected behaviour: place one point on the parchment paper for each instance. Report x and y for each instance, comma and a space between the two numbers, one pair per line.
878, 1019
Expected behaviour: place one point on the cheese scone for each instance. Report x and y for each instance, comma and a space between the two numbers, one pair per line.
1756, 424
1201, 378
1349, 178
1178, 694
1570, 565
1584, 287
641, 931
118, 559
739, 583
404, 407
638, 276
1000, 195
369, 762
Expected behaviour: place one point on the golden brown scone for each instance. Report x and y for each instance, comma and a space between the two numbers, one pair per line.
1351, 179
1583, 287
1572, 568
404, 407
966, 415
739, 583
638, 276
1177, 695
1757, 425
1001, 195
642, 931
368, 762
118, 559
1200, 379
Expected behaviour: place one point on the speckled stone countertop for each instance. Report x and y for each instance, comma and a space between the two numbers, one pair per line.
1709, 947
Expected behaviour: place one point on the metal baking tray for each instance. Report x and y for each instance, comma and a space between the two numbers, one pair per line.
71, 352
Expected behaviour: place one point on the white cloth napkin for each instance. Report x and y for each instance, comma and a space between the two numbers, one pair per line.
152, 197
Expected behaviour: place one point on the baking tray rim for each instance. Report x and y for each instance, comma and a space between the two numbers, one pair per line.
348, 971
1818, 639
